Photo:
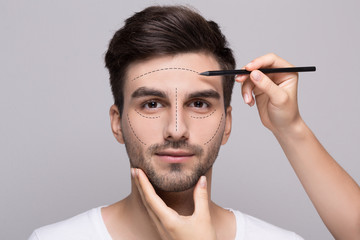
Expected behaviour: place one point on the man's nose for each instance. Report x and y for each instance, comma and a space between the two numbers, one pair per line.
177, 127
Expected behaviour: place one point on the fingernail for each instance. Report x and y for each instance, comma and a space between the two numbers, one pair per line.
203, 181
132, 172
136, 172
256, 75
249, 65
240, 78
246, 98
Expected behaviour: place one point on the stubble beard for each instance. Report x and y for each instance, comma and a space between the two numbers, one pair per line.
176, 179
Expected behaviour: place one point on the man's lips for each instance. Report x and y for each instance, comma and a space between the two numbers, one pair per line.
174, 155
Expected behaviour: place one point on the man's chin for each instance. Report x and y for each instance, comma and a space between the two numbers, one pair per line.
176, 189
174, 185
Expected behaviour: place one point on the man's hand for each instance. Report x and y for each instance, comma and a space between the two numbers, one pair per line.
169, 223
275, 94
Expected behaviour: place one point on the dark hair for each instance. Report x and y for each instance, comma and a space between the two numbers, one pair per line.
165, 30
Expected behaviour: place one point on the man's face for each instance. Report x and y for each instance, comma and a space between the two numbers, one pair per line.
174, 121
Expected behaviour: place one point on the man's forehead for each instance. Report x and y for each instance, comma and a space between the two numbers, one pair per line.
191, 62
181, 70
184, 79
163, 69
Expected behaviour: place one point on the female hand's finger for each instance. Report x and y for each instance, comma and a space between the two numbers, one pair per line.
272, 61
269, 60
247, 90
201, 215
157, 205
277, 95
201, 199
241, 77
155, 218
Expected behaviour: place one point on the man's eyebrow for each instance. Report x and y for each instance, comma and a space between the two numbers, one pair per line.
144, 91
205, 94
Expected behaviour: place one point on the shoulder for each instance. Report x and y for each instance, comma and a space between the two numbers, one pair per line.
87, 225
251, 228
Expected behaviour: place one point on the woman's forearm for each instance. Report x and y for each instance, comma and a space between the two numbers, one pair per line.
335, 195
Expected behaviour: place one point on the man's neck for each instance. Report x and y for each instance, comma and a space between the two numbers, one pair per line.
181, 202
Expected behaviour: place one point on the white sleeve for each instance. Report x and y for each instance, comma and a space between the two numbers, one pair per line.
297, 237
34, 236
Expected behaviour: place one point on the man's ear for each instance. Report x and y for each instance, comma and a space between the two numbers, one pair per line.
116, 123
228, 121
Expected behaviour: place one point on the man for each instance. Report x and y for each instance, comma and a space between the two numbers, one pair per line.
173, 121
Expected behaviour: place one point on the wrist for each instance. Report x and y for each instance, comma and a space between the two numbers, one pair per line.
297, 130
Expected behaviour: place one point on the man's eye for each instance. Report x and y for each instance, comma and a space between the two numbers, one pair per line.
199, 104
152, 105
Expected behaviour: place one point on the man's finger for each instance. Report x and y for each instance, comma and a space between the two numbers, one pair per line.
277, 95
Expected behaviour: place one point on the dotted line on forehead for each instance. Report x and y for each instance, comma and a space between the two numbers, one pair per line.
165, 69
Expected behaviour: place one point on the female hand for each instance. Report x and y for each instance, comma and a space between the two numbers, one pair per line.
275, 94
169, 223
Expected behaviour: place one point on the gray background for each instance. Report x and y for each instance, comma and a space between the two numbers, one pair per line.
58, 155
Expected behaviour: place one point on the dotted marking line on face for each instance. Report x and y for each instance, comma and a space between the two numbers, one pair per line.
165, 69
176, 108
204, 116
134, 131
216, 130
146, 116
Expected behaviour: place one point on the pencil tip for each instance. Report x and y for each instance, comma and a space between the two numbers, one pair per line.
204, 73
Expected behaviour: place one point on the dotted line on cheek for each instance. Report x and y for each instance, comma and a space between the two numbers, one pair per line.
164, 69
205, 116
134, 131
146, 116
215, 131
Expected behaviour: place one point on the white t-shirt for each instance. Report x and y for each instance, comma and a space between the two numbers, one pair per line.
90, 226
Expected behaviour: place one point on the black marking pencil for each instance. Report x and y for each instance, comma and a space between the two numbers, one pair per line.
265, 70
